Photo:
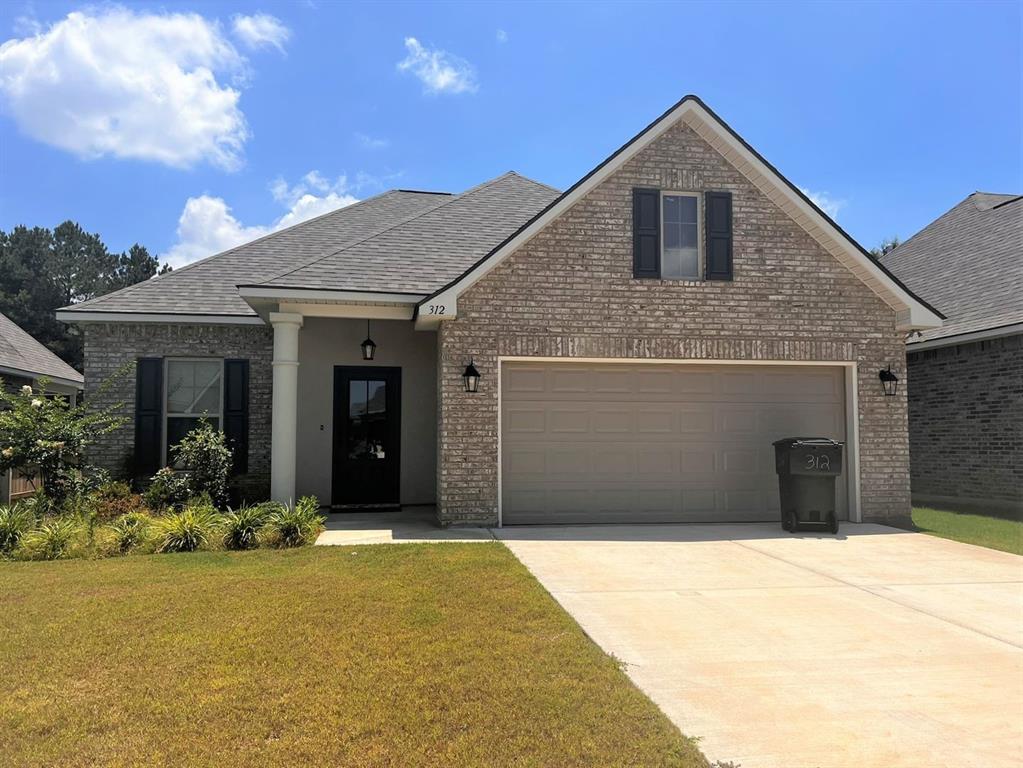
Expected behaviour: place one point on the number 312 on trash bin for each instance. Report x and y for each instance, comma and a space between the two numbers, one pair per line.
818, 461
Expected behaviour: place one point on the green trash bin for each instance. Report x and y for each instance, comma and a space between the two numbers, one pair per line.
807, 468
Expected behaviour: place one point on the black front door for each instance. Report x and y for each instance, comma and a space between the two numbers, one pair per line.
367, 436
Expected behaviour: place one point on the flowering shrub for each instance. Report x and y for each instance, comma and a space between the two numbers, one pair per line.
204, 454
45, 438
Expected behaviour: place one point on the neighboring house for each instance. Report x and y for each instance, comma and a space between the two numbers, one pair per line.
24, 361
641, 338
966, 378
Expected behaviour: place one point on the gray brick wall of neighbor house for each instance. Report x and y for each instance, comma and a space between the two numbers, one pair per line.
966, 424
109, 346
570, 292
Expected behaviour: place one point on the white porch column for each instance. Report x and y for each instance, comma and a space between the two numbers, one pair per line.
284, 424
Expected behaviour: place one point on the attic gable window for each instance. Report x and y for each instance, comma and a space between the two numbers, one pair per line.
680, 240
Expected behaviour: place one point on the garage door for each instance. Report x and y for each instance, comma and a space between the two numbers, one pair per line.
620, 443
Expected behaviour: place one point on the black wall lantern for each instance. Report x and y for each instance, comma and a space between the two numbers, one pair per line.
471, 377
889, 381
369, 348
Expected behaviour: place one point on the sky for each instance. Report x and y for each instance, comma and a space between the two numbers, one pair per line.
190, 127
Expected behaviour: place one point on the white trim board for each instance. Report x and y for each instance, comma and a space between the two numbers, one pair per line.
73, 316
852, 407
964, 338
911, 312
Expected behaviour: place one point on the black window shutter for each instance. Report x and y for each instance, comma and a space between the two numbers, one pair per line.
718, 206
646, 233
148, 416
236, 412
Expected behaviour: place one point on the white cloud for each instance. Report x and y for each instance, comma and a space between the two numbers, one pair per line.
113, 82
371, 142
439, 71
261, 30
207, 226
502, 36
823, 200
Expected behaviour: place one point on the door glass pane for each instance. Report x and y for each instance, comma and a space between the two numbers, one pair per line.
367, 419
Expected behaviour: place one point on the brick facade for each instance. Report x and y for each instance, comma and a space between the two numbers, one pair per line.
569, 292
110, 346
966, 424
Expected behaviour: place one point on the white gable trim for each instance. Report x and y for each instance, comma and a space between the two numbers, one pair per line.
911, 312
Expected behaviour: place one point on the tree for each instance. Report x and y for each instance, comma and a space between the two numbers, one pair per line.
43, 270
888, 245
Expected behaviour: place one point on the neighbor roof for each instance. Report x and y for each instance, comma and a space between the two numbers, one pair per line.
22, 355
401, 241
969, 262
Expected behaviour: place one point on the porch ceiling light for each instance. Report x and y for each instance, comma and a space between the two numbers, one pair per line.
369, 348
471, 377
889, 381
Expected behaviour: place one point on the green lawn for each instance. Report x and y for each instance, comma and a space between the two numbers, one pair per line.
402, 655
995, 532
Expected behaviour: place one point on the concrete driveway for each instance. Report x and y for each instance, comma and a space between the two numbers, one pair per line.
874, 648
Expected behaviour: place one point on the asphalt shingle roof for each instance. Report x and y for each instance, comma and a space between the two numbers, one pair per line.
424, 252
21, 352
968, 263
400, 241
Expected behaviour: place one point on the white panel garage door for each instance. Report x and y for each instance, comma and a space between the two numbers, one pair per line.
619, 443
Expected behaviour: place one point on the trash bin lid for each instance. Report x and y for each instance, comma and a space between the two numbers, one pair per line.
794, 441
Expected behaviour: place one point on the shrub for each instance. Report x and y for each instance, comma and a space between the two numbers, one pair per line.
242, 527
130, 531
295, 526
15, 521
46, 438
203, 452
167, 489
187, 530
52, 540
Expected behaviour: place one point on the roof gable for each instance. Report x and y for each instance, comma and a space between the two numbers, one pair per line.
911, 311
970, 261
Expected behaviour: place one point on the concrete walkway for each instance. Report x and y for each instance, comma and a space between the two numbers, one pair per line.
410, 525
874, 648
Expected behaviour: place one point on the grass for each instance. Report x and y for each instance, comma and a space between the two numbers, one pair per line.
402, 655
1002, 533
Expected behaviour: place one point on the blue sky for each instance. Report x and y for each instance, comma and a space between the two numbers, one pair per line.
190, 126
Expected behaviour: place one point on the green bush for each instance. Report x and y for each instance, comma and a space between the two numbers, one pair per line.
186, 531
204, 454
130, 531
54, 539
46, 438
295, 526
15, 521
242, 527
167, 489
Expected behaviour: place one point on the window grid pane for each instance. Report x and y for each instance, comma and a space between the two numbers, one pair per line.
680, 257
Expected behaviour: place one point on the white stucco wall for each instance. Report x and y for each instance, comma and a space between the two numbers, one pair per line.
324, 343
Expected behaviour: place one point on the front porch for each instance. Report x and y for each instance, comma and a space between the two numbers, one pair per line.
352, 425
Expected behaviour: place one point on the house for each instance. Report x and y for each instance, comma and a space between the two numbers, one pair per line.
24, 361
640, 340
966, 377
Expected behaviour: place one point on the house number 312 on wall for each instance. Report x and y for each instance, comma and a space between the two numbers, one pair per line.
818, 461
435, 309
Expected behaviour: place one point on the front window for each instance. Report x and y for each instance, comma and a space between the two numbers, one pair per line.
680, 249
194, 391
